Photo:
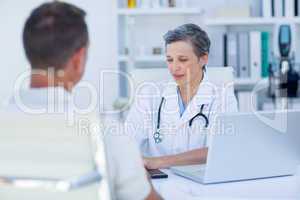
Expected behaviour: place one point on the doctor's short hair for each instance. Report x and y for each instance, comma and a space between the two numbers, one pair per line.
191, 33
53, 32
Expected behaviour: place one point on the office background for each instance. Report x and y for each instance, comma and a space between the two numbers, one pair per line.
124, 38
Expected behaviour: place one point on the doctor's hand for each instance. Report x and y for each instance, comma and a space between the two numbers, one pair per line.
193, 157
154, 162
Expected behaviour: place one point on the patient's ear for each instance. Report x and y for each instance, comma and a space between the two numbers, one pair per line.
79, 59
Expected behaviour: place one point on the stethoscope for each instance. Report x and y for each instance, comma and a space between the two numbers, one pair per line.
158, 137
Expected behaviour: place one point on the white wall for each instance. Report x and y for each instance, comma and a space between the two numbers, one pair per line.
102, 53
102, 21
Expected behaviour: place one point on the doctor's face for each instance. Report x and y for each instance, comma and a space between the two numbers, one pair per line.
184, 65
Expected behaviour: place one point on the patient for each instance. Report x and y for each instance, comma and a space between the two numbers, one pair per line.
56, 43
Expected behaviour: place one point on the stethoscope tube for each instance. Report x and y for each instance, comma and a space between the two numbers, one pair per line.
200, 114
159, 111
158, 137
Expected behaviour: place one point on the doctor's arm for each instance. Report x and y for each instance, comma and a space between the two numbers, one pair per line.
197, 156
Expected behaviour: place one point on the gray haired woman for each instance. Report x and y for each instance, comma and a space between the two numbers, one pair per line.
180, 116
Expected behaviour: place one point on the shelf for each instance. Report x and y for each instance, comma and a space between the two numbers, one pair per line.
251, 21
151, 58
158, 11
249, 82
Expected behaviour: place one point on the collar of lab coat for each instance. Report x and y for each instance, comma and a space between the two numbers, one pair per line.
205, 95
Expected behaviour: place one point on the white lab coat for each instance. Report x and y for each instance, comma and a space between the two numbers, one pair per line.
178, 137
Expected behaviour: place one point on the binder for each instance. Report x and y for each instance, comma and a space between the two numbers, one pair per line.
283, 8
243, 56
232, 52
256, 8
265, 38
255, 55
273, 7
296, 8
267, 8
225, 53
278, 8
289, 8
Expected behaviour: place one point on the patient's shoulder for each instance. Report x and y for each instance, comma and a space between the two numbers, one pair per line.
126, 168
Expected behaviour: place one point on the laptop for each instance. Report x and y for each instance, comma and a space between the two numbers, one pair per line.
246, 146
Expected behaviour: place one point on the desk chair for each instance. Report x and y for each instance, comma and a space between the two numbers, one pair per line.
43, 157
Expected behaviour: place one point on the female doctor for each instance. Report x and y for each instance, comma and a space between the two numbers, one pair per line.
170, 121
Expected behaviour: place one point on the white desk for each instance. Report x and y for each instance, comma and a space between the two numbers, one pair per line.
282, 188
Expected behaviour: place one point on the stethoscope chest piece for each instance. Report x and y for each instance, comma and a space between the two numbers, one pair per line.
157, 137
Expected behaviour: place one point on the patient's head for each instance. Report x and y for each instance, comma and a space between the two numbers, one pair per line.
56, 37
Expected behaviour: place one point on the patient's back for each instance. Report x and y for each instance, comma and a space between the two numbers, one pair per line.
44, 146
